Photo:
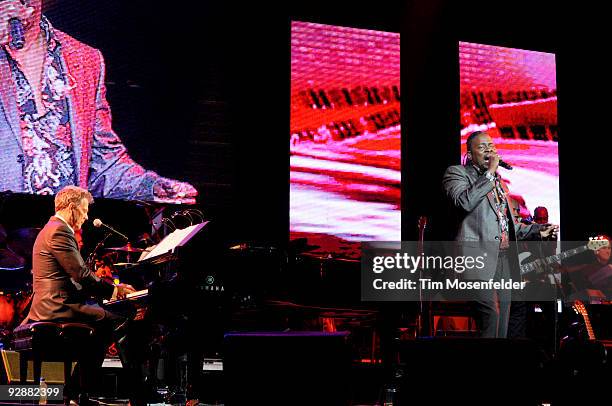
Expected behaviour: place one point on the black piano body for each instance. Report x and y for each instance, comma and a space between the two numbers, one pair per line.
178, 305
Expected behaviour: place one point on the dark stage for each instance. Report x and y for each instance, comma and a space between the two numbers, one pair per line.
257, 294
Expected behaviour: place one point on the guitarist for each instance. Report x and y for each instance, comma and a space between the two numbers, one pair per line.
595, 275
602, 278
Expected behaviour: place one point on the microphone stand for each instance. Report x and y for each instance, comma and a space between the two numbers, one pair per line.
559, 297
90, 258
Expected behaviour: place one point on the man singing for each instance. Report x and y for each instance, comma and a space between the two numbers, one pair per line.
55, 122
480, 199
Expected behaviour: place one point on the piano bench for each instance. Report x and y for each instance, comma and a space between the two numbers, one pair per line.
50, 341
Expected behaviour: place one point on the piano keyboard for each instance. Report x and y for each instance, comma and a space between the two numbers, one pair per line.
130, 296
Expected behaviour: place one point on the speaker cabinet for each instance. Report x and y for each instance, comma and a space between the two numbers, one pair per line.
295, 368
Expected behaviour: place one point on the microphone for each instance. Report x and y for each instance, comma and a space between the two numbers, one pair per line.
98, 223
501, 163
505, 165
16, 33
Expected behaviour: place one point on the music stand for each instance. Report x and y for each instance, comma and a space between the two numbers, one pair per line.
177, 238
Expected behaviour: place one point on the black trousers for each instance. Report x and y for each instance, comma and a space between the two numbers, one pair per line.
517, 326
131, 347
492, 306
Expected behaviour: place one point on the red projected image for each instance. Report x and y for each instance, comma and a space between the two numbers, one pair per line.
345, 137
512, 94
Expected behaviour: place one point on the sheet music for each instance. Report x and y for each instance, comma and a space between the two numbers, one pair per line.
177, 238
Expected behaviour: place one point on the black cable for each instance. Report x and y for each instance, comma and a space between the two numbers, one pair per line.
90, 257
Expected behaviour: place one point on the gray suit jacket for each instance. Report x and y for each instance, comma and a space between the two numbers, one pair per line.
478, 228
56, 263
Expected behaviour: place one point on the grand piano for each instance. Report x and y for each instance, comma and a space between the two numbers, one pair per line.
177, 308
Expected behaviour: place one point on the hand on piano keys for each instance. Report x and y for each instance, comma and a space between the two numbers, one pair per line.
133, 306
135, 294
123, 290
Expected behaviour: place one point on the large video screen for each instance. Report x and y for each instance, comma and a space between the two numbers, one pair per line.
345, 137
87, 99
512, 94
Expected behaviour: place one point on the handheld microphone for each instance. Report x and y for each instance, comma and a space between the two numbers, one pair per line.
501, 163
98, 223
505, 165
16, 33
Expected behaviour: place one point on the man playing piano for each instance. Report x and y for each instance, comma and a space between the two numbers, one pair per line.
62, 282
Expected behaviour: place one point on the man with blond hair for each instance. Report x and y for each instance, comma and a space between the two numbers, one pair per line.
62, 282
60, 274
